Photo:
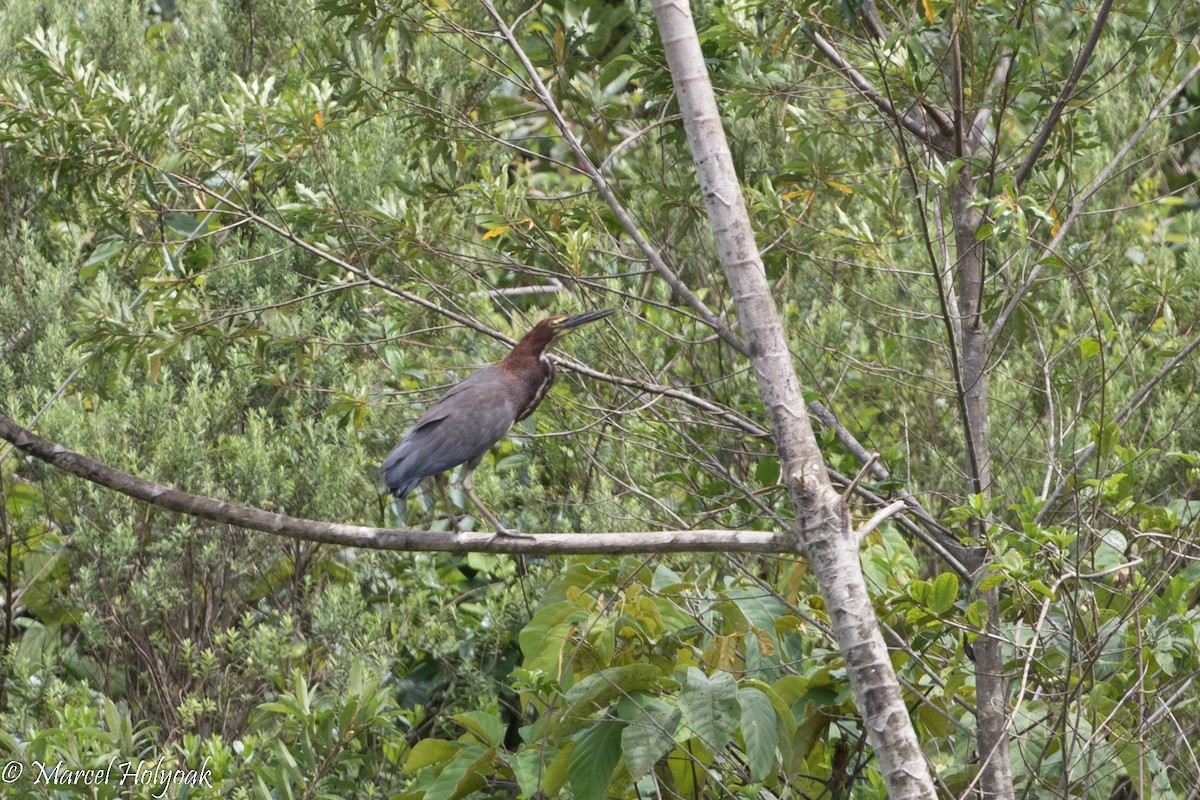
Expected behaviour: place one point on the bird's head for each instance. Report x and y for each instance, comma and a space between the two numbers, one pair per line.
542, 335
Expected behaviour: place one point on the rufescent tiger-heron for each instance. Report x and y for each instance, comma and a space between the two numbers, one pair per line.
464, 423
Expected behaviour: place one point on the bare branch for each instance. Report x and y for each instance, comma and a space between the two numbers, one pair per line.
979, 125
956, 86
878, 518
862, 473
213, 510
870, 19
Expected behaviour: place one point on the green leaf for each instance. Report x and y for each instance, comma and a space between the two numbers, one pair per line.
920, 590
594, 760
990, 582
977, 614
429, 751
709, 706
650, 734
598, 691
767, 471
197, 257
811, 729
1040, 588
1105, 436
466, 774
608, 683
944, 592
528, 766
105, 251
488, 728
1089, 347
758, 732
544, 638
184, 225
558, 770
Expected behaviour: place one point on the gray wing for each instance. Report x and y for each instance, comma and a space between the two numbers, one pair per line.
457, 429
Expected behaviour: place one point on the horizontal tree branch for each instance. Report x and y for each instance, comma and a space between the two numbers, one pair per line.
213, 510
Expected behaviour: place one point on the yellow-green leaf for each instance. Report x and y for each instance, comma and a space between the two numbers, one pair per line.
944, 592
429, 751
977, 614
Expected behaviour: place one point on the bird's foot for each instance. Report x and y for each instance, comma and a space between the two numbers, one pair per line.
503, 531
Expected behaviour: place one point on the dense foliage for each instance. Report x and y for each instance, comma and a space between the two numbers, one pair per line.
243, 244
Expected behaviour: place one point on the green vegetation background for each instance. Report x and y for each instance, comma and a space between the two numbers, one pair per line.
208, 345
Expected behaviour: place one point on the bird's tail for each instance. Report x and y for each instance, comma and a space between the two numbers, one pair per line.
397, 477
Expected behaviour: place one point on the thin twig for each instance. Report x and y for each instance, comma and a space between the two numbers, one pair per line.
879, 517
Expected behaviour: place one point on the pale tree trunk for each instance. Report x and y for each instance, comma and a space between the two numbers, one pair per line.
824, 532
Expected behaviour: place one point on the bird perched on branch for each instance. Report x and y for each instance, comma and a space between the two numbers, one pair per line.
464, 423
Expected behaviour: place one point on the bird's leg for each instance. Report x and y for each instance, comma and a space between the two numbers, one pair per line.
452, 516
400, 508
487, 512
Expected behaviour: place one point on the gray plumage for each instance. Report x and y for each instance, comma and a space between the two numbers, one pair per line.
468, 419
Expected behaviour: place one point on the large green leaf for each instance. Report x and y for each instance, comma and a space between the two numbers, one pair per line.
599, 688
598, 691
429, 751
710, 707
650, 734
467, 773
594, 759
758, 731
488, 728
546, 636
529, 767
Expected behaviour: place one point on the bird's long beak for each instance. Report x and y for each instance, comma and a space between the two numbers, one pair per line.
583, 319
